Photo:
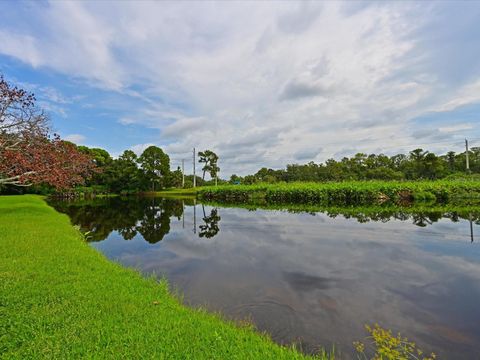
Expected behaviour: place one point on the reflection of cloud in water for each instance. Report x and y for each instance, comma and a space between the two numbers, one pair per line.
305, 282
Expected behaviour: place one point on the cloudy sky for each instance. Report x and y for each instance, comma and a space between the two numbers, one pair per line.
260, 83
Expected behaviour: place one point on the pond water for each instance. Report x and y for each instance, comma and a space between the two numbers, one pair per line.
311, 278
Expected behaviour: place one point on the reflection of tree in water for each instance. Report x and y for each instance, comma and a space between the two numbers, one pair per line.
155, 223
128, 233
148, 216
151, 216
420, 218
210, 229
423, 219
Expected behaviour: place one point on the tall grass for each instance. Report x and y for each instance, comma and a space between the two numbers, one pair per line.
346, 193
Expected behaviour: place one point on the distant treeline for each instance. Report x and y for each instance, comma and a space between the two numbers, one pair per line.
127, 174
130, 173
418, 164
151, 170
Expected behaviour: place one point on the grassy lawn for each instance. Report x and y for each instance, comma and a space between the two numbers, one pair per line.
59, 298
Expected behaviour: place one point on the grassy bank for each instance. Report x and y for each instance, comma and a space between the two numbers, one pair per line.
59, 298
176, 192
346, 193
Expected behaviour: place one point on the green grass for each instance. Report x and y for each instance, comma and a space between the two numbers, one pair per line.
60, 299
348, 193
176, 192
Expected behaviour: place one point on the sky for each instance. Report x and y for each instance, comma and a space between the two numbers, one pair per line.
260, 83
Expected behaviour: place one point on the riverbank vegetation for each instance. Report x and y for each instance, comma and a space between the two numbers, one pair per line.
62, 299
349, 193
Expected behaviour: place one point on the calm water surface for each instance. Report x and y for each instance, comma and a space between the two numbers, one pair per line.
310, 278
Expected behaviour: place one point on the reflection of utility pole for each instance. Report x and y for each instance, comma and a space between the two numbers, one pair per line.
194, 216
467, 165
183, 214
183, 173
471, 226
194, 176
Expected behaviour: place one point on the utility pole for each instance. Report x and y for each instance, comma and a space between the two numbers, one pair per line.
183, 173
466, 156
183, 214
471, 226
194, 176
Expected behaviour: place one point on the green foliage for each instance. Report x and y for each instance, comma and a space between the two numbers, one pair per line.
123, 175
189, 181
350, 192
210, 159
383, 345
61, 299
175, 178
419, 164
101, 157
155, 165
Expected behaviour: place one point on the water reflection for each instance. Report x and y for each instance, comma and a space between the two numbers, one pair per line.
313, 276
150, 216
210, 227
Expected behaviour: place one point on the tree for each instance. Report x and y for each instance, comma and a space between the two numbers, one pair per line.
235, 179
155, 165
100, 157
210, 159
20, 119
28, 155
123, 173
55, 162
450, 157
102, 160
175, 178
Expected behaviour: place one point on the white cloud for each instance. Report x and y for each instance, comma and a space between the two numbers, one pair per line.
261, 83
455, 128
184, 126
139, 148
470, 93
75, 138
20, 46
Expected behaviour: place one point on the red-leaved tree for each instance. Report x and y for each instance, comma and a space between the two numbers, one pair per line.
28, 155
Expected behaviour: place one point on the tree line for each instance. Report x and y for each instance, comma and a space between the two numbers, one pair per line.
416, 165
150, 171
34, 159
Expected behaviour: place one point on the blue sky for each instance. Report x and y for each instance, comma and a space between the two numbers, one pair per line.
261, 83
